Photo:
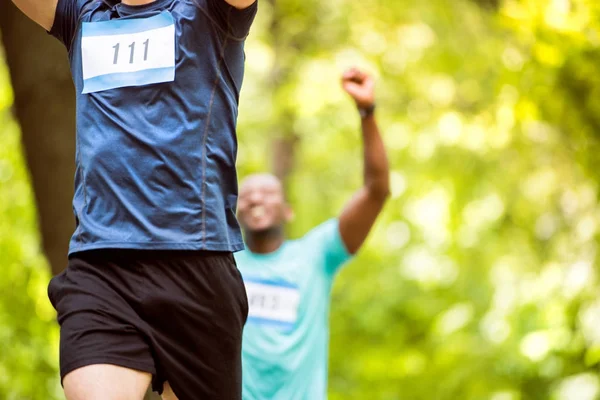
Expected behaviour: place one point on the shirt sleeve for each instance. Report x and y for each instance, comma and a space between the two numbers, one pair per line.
327, 239
236, 22
66, 19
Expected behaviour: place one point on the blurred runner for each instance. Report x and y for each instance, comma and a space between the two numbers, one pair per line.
151, 291
288, 282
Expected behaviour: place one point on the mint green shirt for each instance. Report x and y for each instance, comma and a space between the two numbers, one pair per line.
285, 346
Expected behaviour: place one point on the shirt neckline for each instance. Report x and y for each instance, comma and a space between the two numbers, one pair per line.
126, 10
271, 255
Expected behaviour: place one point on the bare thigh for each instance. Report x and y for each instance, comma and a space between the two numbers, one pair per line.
106, 382
168, 392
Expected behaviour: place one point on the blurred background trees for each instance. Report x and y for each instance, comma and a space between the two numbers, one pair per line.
43, 104
480, 280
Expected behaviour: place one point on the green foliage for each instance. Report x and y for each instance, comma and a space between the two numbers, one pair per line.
480, 279
28, 334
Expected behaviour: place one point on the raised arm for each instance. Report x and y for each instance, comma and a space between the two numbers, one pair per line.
362, 210
40, 11
240, 4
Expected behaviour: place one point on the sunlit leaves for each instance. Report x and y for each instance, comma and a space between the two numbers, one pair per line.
479, 281
28, 334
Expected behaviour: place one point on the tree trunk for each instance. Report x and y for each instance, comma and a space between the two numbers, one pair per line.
45, 108
285, 141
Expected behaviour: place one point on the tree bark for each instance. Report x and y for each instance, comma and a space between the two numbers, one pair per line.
45, 108
285, 141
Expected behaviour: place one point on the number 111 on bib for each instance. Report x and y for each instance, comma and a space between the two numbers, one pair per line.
132, 54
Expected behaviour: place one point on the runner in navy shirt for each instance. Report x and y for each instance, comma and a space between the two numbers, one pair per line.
151, 291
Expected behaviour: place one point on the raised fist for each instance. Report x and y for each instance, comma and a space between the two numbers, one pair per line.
360, 86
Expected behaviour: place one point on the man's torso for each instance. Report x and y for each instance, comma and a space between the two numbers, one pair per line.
157, 91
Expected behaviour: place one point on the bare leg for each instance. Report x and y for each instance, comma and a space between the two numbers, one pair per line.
168, 392
106, 382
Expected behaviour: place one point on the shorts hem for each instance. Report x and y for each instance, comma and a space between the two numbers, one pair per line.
121, 362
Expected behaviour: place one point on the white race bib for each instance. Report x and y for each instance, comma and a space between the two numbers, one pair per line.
128, 52
272, 303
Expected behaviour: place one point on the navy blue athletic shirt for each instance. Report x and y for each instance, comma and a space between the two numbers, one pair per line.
157, 91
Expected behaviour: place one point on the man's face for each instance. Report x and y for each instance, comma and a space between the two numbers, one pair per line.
261, 205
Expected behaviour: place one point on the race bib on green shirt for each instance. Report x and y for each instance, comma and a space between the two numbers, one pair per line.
272, 303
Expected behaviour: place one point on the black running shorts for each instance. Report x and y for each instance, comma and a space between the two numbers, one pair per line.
178, 315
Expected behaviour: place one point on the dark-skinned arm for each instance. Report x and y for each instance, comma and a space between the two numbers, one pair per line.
362, 210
